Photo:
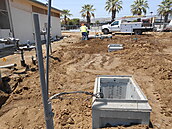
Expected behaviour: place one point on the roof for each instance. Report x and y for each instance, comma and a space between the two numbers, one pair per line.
38, 2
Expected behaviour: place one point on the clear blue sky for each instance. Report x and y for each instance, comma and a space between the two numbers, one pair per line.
75, 7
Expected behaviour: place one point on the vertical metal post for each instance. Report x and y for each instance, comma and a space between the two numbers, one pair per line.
0, 79
22, 55
47, 45
47, 106
22, 58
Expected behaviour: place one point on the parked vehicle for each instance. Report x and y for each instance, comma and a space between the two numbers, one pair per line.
168, 28
127, 27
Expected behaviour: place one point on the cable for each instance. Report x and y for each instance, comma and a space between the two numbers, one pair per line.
57, 96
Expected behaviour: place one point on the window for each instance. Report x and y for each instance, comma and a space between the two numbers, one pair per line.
115, 23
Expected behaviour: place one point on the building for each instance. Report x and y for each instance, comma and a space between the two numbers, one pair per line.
16, 19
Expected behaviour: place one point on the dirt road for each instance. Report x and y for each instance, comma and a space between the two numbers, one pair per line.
74, 66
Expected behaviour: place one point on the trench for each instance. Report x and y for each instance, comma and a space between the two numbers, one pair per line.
6, 89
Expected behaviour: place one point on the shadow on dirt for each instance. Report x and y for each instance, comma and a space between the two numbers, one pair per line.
6, 90
55, 58
5, 87
129, 125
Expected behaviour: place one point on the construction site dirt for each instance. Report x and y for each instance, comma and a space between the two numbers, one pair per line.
74, 65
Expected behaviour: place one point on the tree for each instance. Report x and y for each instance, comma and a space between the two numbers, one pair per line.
165, 8
113, 6
97, 22
139, 7
65, 15
87, 11
74, 21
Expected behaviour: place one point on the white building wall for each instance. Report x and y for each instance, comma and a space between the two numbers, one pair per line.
22, 21
5, 33
22, 18
55, 25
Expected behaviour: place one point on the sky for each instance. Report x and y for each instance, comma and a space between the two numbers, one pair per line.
75, 7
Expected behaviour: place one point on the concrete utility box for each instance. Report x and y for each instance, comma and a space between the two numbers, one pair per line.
122, 102
114, 47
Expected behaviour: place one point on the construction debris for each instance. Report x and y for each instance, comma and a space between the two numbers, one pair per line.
115, 47
100, 36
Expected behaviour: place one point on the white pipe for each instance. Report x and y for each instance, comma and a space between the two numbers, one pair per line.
8, 66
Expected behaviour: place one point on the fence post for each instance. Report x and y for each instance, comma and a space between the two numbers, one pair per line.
48, 114
0, 79
48, 43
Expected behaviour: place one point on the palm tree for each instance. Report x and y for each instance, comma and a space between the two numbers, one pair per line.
113, 6
87, 11
65, 15
139, 7
165, 8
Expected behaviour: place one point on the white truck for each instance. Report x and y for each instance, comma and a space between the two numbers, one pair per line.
168, 28
126, 27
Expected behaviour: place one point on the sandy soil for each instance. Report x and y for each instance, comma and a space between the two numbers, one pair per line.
74, 66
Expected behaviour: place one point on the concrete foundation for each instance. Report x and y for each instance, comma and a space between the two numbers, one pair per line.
122, 102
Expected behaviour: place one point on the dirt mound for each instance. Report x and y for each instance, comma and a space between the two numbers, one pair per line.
74, 66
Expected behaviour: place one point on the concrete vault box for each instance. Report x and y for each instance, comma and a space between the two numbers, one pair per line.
121, 102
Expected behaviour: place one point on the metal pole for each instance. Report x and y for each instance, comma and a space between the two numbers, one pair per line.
22, 58
48, 114
22, 55
47, 45
0, 79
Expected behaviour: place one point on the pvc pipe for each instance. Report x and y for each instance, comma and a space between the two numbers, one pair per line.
8, 66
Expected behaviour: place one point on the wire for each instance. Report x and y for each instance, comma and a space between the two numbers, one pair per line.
57, 96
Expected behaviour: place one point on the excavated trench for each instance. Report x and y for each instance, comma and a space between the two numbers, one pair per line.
7, 86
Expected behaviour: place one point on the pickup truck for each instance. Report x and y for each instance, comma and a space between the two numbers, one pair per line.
168, 28
126, 27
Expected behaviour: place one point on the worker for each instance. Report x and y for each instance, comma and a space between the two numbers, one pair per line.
84, 31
